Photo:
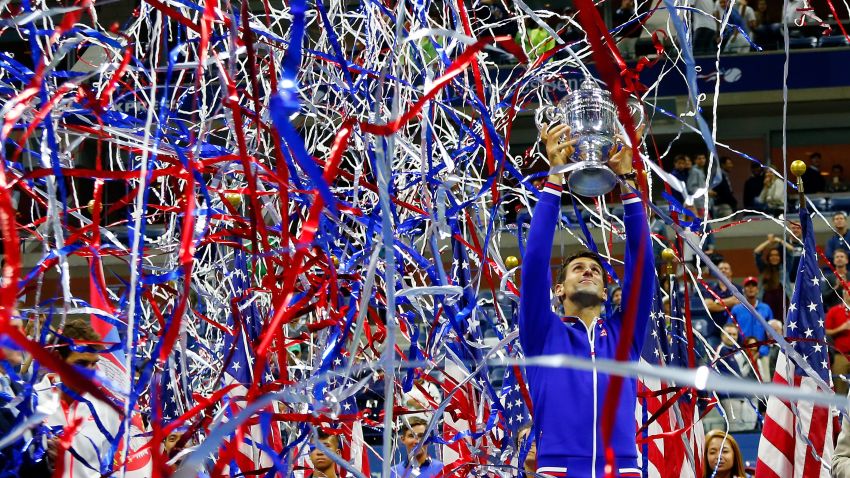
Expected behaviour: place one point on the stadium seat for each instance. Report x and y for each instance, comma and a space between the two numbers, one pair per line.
802, 43
840, 204
833, 41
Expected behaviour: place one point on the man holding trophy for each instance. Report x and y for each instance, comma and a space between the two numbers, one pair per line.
567, 402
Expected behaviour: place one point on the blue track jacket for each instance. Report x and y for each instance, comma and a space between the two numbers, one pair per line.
568, 403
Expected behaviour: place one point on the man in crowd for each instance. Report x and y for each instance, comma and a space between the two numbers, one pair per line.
719, 301
724, 199
841, 239
416, 462
568, 402
813, 181
753, 186
750, 326
834, 279
838, 329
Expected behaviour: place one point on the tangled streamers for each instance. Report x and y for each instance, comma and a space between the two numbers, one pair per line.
291, 212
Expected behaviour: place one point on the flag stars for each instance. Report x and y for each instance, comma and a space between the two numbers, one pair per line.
792, 325
808, 332
815, 281
792, 307
812, 307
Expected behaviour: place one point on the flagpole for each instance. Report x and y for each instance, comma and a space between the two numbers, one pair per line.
799, 168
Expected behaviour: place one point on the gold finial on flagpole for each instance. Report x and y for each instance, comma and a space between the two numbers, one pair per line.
799, 168
669, 257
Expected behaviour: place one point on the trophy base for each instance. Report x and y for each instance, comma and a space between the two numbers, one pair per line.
592, 180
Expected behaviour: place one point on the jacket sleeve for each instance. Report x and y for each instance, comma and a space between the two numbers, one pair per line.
639, 282
841, 458
535, 312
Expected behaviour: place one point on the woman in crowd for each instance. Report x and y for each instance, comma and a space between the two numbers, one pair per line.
723, 456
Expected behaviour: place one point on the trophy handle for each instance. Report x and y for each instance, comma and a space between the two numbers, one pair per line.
636, 111
547, 114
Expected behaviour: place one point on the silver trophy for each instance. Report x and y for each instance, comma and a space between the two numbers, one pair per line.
592, 117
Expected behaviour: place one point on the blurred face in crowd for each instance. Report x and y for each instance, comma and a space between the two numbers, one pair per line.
762, 5
774, 257
726, 269
839, 258
617, 297
751, 290
531, 457
86, 360
777, 326
700, 160
411, 438
727, 164
797, 230
839, 221
170, 443
720, 455
322, 462
680, 164
731, 336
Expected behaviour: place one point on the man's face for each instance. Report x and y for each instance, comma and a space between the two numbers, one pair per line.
727, 164
725, 269
751, 290
171, 442
839, 259
584, 280
700, 160
319, 459
680, 164
412, 437
86, 360
839, 221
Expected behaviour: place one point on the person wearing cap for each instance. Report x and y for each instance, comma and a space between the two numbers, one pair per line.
750, 326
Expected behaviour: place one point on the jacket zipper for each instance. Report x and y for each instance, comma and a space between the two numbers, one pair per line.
591, 338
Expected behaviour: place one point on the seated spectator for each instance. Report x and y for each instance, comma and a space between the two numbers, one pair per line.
772, 197
768, 258
837, 183
723, 457
529, 465
841, 239
834, 279
742, 17
704, 27
628, 35
731, 359
681, 170
416, 462
750, 326
768, 29
536, 41
753, 186
813, 181
696, 181
323, 466
724, 199
838, 329
721, 299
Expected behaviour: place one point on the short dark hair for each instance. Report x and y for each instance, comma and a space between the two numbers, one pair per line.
322, 435
562, 273
407, 425
77, 329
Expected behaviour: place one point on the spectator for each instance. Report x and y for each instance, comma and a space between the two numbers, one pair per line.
724, 199
772, 197
90, 444
750, 326
753, 186
323, 466
681, 171
773, 353
834, 279
629, 34
704, 27
492, 18
837, 184
796, 250
723, 456
536, 41
616, 297
741, 18
416, 462
529, 465
838, 329
768, 258
697, 181
767, 29
731, 359
813, 181
841, 239
721, 299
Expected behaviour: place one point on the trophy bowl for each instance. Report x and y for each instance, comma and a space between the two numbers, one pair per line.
592, 117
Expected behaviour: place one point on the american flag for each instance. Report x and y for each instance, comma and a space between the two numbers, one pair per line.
513, 401
663, 453
796, 440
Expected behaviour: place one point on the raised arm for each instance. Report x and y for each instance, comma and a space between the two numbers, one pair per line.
639, 281
535, 311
